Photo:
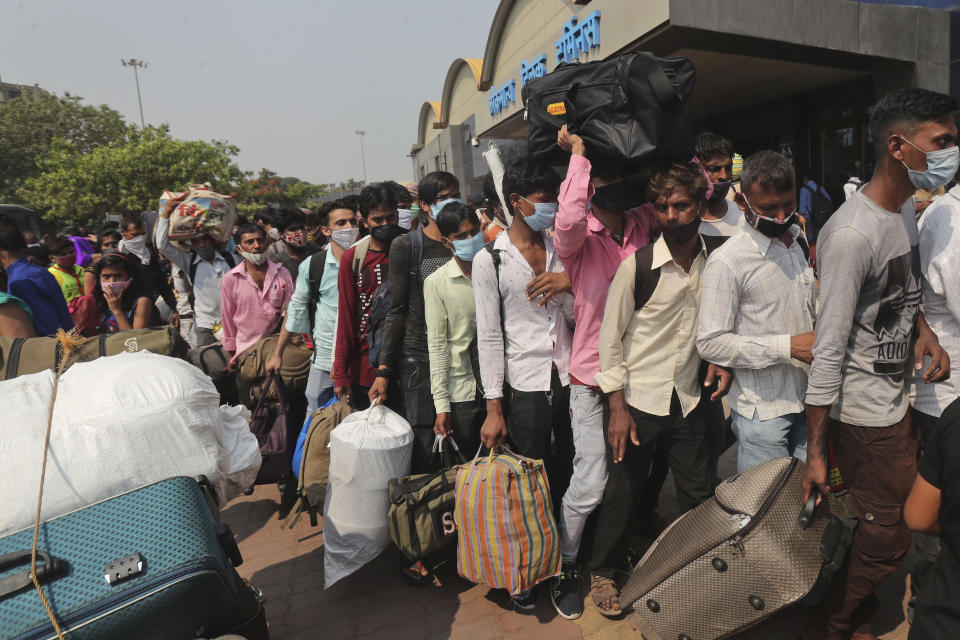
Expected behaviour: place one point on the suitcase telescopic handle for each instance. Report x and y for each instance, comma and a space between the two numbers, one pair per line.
806, 514
50, 569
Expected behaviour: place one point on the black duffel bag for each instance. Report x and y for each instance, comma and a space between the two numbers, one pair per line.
631, 108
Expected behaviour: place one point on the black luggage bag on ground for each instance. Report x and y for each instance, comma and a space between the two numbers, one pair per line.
631, 108
150, 564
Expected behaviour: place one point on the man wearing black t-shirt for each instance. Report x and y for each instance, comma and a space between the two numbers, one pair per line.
934, 507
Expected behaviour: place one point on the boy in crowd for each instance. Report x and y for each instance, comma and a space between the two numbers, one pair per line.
868, 318
524, 314
204, 266
293, 247
313, 307
721, 217
649, 369
452, 330
404, 358
363, 268
134, 243
32, 284
757, 313
597, 228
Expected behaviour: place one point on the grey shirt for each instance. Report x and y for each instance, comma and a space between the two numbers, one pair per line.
869, 265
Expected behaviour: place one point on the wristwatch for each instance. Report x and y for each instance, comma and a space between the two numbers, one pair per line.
383, 373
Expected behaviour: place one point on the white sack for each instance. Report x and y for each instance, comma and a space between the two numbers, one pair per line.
119, 423
367, 450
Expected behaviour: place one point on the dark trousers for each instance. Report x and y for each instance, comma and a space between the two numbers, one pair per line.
683, 440
926, 547
878, 465
538, 424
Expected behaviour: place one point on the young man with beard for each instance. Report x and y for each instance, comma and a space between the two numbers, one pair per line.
363, 268
757, 313
314, 302
597, 228
721, 217
869, 331
293, 246
649, 371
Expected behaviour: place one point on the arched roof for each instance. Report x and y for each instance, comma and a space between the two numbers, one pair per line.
493, 43
446, 98
425, 110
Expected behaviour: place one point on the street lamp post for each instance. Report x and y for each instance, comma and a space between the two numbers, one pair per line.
363, 160
133, 62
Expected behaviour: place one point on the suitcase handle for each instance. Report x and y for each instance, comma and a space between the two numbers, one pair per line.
50, 569
806, 514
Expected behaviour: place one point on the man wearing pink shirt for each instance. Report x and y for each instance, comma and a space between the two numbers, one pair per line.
253, 297
595, 230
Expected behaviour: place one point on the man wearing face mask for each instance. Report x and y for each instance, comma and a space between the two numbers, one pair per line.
721, 217
524, 320
363, 269
204, 266
404, 204
649, 370
757, 314
313, 307
869, 332
597, 228
293, 247
134, 243
404, 357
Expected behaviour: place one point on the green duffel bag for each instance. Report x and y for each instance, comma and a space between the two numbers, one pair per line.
22, 356
421, 508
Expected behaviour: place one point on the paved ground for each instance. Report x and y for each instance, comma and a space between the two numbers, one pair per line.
375, 603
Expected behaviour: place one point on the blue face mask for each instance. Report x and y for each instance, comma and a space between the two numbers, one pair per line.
544, 213
438, 207
941, 166
467, 249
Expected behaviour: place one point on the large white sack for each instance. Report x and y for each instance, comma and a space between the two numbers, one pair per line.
119, 423
367, 450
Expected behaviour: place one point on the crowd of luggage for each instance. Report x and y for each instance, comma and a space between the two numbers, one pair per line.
518, 376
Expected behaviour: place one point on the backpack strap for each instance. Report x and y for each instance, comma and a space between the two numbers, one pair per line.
713, 242
416, 244
317, 263
804, 245
495, 256
13, 358
646, 279
360, 255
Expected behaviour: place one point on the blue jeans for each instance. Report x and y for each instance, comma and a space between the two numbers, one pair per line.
319, 389
761, 440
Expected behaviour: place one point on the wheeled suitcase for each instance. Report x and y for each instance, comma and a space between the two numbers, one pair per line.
151, 564
738, 558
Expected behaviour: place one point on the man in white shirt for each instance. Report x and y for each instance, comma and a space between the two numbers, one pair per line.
524, 337
757, 310
720, 217
853, 183
649, 370
204, 266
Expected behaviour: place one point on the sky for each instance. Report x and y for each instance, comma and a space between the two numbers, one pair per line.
287, 81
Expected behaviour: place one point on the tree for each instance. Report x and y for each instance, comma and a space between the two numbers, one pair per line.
31, 122
80, 187
268, 190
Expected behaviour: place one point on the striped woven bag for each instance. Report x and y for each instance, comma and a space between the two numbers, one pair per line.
508, 538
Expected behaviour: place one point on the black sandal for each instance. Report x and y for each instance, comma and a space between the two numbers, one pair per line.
420, 568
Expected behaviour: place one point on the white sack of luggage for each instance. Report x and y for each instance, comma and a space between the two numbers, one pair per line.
119, 423
367, 450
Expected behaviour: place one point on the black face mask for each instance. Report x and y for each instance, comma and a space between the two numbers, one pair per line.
386, 233
720, 189
770, 227
681, 233
618, 196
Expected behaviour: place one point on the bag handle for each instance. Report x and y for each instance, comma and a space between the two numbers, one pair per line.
806, 514
51, 568
663, 89
438, 448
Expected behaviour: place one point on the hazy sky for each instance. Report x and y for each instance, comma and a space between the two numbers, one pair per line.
287, 81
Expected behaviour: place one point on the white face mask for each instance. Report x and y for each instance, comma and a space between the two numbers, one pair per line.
273, 233
256, 259
345, 237
137, 246
406, 216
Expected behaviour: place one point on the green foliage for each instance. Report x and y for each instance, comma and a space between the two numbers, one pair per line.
30, 123
126, 176
270, 190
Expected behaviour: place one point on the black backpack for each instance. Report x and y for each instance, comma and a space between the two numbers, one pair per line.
821, 207
381, 301
317, 262
632, 108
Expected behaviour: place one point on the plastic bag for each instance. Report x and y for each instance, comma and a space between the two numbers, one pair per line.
119, 423
367, 450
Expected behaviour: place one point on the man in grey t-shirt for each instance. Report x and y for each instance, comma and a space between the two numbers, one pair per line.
869, 329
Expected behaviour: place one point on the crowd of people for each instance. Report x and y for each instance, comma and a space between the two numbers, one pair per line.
594, 321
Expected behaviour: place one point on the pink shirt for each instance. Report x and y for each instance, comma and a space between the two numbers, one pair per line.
591, 256
248, 312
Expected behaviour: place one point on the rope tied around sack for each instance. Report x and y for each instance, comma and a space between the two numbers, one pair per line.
68, 341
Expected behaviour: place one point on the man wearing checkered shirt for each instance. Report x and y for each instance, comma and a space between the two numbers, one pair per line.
758, 304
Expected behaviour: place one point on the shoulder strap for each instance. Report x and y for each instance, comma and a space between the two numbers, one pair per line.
646, 279
416, 244
495, 257
193, 271
317, 263
713, 242
804, 245
360, 255
13, 358
229, 258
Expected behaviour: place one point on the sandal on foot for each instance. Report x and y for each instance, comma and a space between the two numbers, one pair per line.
604, 590
416, 574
